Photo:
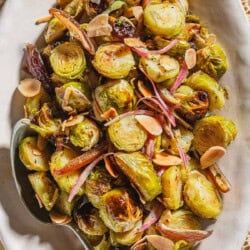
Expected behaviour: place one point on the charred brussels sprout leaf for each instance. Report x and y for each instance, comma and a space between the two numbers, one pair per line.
172, 188
32, 157
201, 196
160, 67
85, 134
97, 184
88, 220
164, 19
119, 211
202, 81
213, 130
127, 238
127, 135
68, 60
44, 188
58, 160
141, 173
117, 94
114, 61
74, 97
212, 60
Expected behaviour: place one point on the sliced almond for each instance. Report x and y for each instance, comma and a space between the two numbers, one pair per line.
163, 159
109, 167
72, 121
110, 113
211, 156
99, 26
44, 19
190, 58
135, 43
59, 218
150, 124
137, 12
143, 89
29, 87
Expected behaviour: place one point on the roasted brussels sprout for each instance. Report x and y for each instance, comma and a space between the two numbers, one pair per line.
211, 131
58, 161
201, 196
194, 103
119, 211
68, 60
183, 136
160, 67
127, 238
88, 220
172, 188
164, 19
85, 134
97, 184
180, 219
63, 206
178, 50
34, 104
127, 135
32, 157
118, 94
212, 60
202, 81
141, 173
45, 189
47, 125
74, 97
182, 245
104, 244
114, 60
193, 164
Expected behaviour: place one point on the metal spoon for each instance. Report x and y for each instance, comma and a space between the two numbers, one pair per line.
20, 173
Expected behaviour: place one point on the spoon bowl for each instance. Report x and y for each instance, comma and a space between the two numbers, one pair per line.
24, 188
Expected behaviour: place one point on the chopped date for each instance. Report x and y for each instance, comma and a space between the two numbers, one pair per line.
123, 29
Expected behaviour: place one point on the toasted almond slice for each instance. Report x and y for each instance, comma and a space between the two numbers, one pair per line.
59, 218
134, 42
190, 58
211, 156
137, 12
150, 124
110, 113
218, 178
163, 159
29, 87
143, 89
160, 243
109, 167
99, 26
44, 19
72, 121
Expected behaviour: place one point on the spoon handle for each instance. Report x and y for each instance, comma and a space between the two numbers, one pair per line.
73, 227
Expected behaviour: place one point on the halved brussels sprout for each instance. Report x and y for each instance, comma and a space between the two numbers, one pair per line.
88, 220
68, 60
213, 130
85, 134
164, 19
58, 160
104, 244
127, 135
97, 184
180, 219
118, 94
202, 81
183, 136
212, 60
193, 164
127, 238
114, 60
194, 103
119, 211
178, 50
32, 157
201, 196
63, 206
182, 245
34, 104
47, 125
160, 67
172, 188
45, 189
141, 173
74, 96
